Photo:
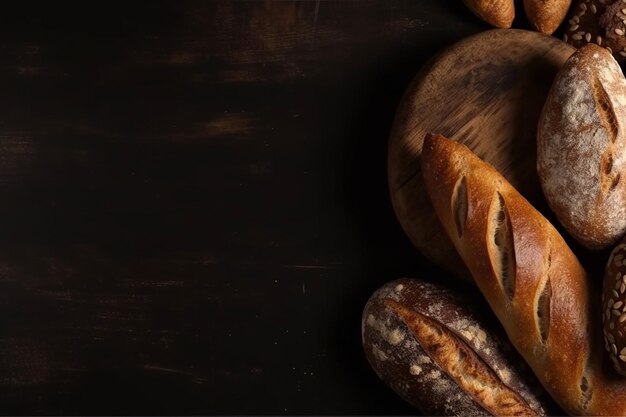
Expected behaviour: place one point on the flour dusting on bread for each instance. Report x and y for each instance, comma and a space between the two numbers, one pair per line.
581, 147
436, 353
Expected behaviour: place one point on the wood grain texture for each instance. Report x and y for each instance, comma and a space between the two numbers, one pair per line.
490, 102
193, 201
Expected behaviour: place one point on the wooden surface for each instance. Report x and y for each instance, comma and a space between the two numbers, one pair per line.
193, 201
491, 102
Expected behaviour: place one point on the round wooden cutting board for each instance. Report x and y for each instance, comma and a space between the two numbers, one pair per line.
487, 92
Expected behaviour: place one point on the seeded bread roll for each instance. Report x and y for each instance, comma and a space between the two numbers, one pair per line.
614, 23
443, 356
614, 308
498, 13
546, 15
529, 276
581, 148
601, 22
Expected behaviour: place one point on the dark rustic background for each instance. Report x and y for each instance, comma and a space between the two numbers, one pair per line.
193, 201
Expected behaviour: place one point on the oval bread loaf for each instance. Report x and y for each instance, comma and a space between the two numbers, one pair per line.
438, 354
581, 147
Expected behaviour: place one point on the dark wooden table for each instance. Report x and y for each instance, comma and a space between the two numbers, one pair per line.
193, 201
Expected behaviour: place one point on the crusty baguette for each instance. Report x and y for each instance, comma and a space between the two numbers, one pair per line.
546, 15
529, 276
581, 147
498, 13
442, 354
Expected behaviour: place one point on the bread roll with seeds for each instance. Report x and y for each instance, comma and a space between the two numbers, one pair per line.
614, 308
546, 15
581, 148
529, 276
600, 22
498, 13
444, 357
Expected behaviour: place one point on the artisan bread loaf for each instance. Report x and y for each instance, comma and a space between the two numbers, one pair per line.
498, 13
581, 148
529, 276
445, 357
546, 15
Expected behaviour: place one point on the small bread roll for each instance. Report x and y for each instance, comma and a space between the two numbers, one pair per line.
498, 13
546, 15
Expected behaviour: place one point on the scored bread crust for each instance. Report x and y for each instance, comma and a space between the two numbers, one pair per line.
444, 356
498, 13
546, 15
531, 279
581, 147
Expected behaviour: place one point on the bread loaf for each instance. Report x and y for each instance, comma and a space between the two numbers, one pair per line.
614, 308
498, 13
529, 276
600, 22
581, 147
444, 357
546, 15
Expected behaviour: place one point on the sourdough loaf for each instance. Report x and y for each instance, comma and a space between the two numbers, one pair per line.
581, 147
445, 357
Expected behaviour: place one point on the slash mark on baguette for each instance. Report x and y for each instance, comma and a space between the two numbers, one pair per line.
543, 306
462, 364
586, 391
501, 249
586, 383
459, 205
605, 109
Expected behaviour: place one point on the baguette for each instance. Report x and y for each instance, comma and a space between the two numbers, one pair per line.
531, 279
438, 352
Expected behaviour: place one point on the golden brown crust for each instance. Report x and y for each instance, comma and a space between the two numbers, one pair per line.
559, 344
498, 13
546, 15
